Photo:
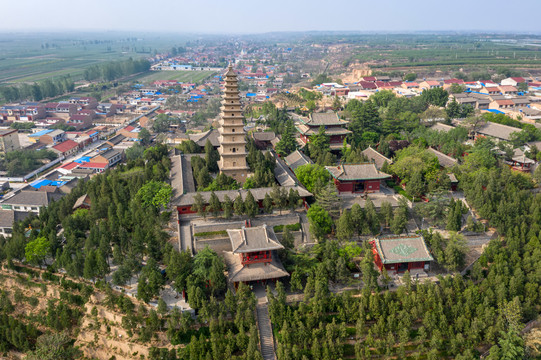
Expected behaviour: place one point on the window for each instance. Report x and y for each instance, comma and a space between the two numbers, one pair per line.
34, 208
232, 130
17, 207
234, 150
8, 230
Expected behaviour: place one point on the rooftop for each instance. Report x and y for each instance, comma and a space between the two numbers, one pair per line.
252, 239
366, 171
443, 159
28, 197
323, 119
400, 249
296, 159
258, 271
376, 157
498, 130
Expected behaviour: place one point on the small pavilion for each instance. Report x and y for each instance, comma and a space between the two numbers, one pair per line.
253, 257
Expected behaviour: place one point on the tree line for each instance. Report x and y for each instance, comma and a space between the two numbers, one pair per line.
37, 91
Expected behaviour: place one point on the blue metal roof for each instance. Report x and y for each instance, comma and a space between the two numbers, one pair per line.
82, 159
495, 111
40, 133
39, 183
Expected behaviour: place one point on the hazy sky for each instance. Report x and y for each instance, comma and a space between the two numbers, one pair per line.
242, 16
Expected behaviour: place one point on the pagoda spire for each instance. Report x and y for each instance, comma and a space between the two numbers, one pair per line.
232, 136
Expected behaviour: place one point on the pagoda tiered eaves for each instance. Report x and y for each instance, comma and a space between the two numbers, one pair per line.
232, 136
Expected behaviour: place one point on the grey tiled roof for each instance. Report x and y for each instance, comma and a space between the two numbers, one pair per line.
402, 249
376, 157
257, 271
356, 172
444, 160
283, 174
264, 135
7, 217
498, 130
323, 119
28, 197
261, 238
201, 139
296, 159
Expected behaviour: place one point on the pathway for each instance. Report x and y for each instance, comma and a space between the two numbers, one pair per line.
305, 228
264, 324
185, 236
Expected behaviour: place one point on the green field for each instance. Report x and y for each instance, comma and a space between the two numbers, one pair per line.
179, 75
34, 57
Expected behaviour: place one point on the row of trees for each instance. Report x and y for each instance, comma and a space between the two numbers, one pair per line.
21, 162
279, 198
116, 69
37, 91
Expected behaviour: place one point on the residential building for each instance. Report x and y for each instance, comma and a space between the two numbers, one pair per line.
53, 137
502, 104
66, 148
110, 157
28, 201
9, 141
7, 218
429, 84
83, 202
513, 81
508, 90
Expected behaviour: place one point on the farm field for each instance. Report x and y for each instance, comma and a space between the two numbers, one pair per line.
182, 76
35, 57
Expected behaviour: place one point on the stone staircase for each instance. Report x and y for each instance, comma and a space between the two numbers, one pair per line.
265, 331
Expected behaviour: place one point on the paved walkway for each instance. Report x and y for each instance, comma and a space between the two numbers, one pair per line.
264, 324
185, 236
305, 228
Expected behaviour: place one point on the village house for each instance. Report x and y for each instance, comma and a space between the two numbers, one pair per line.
83, 202
9, 141
410, 85
508, 90
491, 90
109, 157
513, 81
7, 218
502, 104
53, 137
28, 201
66, 148
429, 84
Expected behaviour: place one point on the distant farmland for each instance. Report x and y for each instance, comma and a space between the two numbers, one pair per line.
178, 75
